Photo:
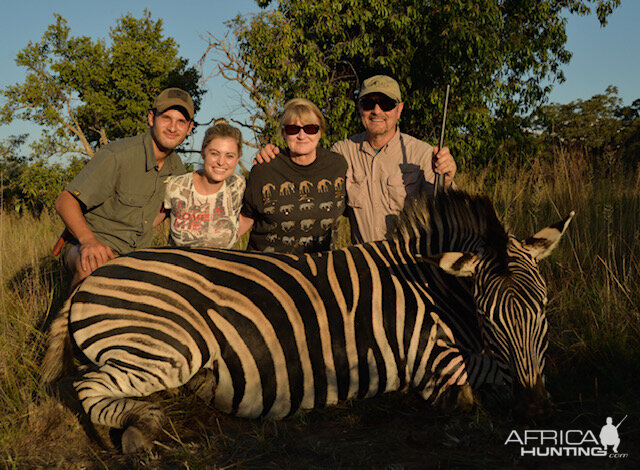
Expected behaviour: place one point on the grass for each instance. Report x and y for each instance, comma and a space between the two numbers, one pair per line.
594, 278
592, 368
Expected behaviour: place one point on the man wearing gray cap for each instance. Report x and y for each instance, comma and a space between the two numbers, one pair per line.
111, 207
385, 167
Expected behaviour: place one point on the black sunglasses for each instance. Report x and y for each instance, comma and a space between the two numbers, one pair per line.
367, 103
309, 129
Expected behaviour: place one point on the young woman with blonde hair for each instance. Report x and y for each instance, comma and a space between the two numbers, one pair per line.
205, 205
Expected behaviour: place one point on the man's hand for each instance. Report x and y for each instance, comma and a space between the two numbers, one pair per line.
266, 154
91, 253
444, 164
94, 254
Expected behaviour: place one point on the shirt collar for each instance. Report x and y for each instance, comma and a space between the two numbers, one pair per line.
366, 147
150, 157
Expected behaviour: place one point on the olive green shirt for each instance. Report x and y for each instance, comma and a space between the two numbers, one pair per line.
123, 191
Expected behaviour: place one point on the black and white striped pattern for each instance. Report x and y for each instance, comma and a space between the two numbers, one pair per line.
285, 333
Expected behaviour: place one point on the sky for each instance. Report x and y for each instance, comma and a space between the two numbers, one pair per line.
601, 56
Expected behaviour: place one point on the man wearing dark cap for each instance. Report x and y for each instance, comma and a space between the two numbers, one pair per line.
385, 166
113, 204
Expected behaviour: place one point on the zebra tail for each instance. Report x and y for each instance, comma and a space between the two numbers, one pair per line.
58, 360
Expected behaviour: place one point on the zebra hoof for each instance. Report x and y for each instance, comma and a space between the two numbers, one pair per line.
134, 440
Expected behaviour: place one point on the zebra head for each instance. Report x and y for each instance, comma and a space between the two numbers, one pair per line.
510, 297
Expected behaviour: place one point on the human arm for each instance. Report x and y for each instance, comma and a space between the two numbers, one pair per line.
165, 210
93, 252
160, 216
249, 212
173, 187
245, 223
266, 154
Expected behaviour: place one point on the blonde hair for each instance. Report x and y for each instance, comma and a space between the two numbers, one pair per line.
302, 109
221, 128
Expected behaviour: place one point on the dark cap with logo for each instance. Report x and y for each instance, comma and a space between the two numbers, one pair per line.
172, 97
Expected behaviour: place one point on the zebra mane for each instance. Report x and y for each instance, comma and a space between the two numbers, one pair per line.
453, 221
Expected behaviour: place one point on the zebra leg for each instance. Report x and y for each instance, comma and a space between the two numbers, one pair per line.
489, 381
106, 396
441, 377
203, 384
458, 397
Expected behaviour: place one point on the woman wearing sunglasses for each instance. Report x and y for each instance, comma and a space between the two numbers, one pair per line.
293, 203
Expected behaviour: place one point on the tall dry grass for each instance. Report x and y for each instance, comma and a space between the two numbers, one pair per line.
32, 284
593, 278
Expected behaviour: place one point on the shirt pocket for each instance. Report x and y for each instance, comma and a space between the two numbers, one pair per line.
133, 199
356, 192
401, 185
395, 190
130, 208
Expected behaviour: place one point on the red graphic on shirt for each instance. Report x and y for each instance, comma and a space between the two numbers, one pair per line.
192, 221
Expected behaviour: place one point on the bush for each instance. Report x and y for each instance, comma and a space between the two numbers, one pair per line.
33, 186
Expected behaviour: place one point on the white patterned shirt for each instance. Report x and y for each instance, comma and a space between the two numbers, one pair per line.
204, 221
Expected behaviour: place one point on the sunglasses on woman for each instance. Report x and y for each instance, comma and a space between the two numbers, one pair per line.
369, 102
309, 129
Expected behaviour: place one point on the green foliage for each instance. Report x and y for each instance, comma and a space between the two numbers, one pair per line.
41, 182
90, 92
599, 126
497, 55
629, 136
11, 166
31, 184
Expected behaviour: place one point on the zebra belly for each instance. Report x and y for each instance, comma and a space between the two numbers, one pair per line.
142, 328
248, 394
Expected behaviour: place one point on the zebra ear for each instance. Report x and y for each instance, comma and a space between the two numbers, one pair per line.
542, 243
457, 263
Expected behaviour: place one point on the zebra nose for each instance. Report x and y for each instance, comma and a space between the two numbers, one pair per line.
532, 402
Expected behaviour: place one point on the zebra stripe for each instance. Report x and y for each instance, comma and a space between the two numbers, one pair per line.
285, 333
286, 347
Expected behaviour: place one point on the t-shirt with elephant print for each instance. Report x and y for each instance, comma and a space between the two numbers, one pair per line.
295, 207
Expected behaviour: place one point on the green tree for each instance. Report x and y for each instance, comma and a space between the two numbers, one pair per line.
85, 93
11, 165
31, 183
498, 56
629, 137
599, 127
